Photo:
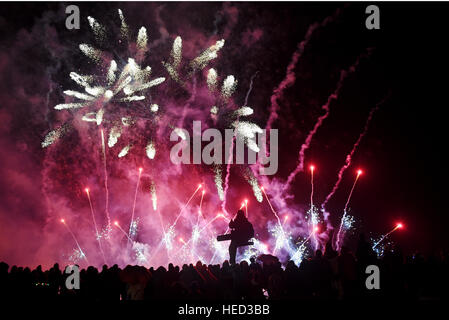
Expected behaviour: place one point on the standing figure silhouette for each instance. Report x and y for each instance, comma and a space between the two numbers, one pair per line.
241, 232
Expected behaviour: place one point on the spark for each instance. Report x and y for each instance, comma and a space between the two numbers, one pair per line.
133, 228
150, 150
140, 249
228, 88
142, 39
214, 110
219, 181
176, 55
177, 52
54, 135
111, 72
78, 95
114, 135
243, 111
212, 79
124, 151
63, 106
207, 55
98, 29
154, 108
124, 31
82, 80
91, 52
254, 184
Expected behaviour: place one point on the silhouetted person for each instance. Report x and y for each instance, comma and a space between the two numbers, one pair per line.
242, 231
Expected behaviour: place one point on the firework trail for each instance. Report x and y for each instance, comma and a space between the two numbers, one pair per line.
340, 235
398, 226
314, 213
299, 253
153, 195
123, 231
349, 156
231, 147
359, 172
290, 77
185, 206
199, 231
344, 74
312, 169
76, 241
201, 204
278, 219
97, 235
103, 148
246, 207
135, 199
346, 224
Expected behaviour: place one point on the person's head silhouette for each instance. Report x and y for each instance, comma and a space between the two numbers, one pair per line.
240, 215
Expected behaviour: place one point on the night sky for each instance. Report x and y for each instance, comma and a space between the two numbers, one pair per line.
402, 155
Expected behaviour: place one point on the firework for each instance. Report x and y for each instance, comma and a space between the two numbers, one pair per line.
153, 195
124, 151
312, 169
398, 226
76, 241
185, 206
351, 153
359, 172
134, 204
54, 135
290, 76
123, 231
120, 84
219, 181
326, 107
278, 219
150, 150
106, 188
209, 54
231, 147
97, 235
346, 224
212, 79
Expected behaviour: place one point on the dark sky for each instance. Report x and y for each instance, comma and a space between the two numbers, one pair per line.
402, 155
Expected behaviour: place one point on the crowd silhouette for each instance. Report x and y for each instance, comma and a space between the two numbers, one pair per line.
329, 275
